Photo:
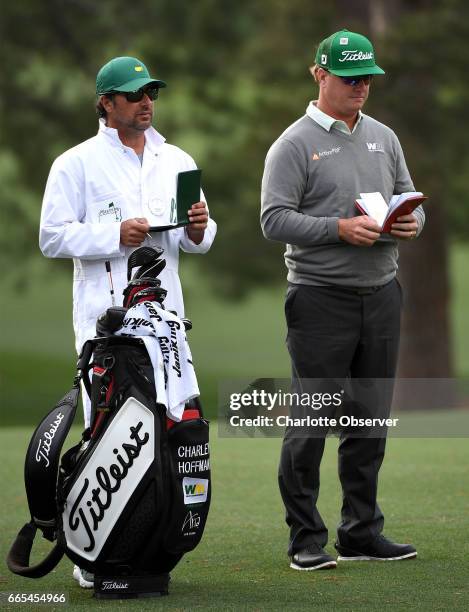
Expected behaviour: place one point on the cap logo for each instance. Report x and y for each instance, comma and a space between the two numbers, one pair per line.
343, 41
323, 58
355, 55
138, 69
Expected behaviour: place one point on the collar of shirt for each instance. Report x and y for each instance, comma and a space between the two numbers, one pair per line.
153, 139
327, 122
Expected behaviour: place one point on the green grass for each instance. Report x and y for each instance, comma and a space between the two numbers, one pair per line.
37, 349
241, 563
229, 340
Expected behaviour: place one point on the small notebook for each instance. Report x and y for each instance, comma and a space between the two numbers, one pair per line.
187, 193
374, 205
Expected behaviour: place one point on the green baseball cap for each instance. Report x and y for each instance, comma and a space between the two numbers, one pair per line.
347, 54
124, 74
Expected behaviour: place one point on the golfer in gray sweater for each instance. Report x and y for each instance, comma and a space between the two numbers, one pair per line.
343, 300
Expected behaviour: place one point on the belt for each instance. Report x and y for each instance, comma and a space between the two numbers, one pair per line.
359, 290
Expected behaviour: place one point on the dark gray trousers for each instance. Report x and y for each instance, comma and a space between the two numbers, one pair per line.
335, 333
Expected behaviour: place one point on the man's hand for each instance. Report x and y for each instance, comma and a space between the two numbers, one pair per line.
405, 228
360, 231
134, 232
198, 217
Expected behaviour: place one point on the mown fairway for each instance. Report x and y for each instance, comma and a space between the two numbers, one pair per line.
229, 339
241, 563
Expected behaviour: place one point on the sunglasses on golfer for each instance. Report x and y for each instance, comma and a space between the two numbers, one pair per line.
354, 80
137, 96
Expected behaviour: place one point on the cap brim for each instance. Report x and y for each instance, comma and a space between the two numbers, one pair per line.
138, 84
350, 72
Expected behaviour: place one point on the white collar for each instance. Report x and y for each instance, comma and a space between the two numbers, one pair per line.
326, 121
153, 139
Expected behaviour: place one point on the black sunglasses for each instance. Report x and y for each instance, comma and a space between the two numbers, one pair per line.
354, 80
137, 96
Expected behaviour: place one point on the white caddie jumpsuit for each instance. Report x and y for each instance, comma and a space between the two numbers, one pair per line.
91, 189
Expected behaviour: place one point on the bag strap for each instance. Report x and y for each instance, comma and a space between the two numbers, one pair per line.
40, 478
18, 556
41, 464
83, 365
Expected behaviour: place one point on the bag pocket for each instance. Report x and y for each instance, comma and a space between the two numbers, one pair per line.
189, 483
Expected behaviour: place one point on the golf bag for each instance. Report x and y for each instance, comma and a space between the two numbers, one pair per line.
133, 495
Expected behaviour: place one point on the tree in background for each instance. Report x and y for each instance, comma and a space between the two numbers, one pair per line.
237, 74
423, 46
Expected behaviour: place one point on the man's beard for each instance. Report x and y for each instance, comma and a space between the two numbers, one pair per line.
139, 124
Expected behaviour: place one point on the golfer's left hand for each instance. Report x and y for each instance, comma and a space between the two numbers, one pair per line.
405, 227
198, 217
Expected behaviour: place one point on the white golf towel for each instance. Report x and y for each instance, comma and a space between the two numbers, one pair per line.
165, 340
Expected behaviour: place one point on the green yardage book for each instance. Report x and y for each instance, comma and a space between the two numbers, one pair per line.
187, 193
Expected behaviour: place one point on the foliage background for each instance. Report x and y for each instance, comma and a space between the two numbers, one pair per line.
238, 76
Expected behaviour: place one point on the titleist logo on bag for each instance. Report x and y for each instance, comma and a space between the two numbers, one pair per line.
108, 585
45, 442
109, 479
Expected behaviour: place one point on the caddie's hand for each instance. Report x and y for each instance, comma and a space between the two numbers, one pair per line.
405, 227
134, 231
198, 217
360, 231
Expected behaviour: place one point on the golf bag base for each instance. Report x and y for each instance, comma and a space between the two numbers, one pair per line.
131, 587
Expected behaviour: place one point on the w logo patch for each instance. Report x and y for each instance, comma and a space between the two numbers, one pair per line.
375, 147
195, 490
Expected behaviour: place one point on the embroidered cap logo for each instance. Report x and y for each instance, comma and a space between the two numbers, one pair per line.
355, 56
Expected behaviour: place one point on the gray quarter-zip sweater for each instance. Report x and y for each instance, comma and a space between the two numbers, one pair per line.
312, 178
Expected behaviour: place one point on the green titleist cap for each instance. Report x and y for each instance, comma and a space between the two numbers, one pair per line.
124, 74
347, 54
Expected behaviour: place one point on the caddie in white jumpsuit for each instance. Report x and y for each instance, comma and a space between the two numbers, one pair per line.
103, 195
